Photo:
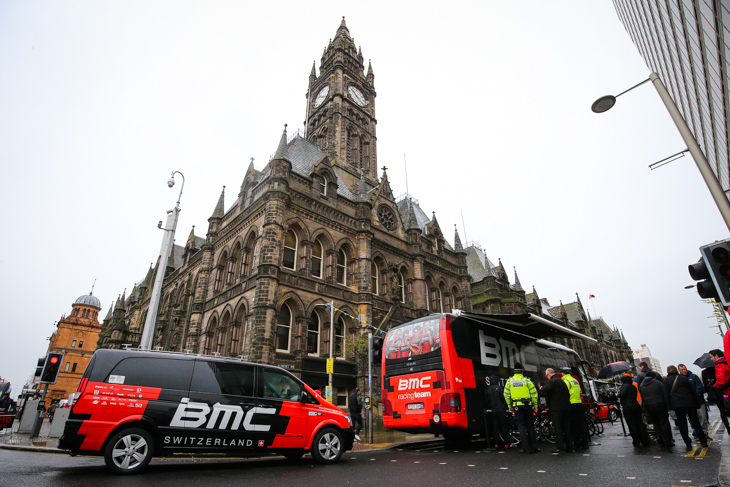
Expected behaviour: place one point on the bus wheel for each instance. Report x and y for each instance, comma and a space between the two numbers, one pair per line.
129, 451
327, 446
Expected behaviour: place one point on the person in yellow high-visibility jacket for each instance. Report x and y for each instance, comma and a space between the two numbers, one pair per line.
521, 396
579, 426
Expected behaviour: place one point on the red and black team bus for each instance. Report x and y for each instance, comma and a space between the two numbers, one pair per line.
435, 369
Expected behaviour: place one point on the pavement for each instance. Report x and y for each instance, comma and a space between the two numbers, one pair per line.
10, 439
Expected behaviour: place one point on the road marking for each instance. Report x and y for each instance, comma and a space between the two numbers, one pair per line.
586, 454
471, 465
394, 461
372, 459
503, 468
621, 456
657, 456
631, 478
442, 463
416, 462
541, 471
582, 474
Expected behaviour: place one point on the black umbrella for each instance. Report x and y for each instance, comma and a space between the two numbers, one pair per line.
704, 361
615, 368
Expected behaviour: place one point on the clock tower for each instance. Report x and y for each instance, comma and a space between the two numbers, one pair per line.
341, 106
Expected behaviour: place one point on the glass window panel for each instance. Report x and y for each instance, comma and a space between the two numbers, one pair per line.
279, 385
224, 378
154, 372
283, 328
313, 334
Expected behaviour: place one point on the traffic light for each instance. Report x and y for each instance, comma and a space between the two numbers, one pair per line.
713, 272
39, 366
51, 368
377, 350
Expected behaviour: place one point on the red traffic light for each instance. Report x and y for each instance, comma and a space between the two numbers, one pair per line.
53, 359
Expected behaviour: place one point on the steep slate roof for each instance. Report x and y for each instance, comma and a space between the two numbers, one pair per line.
477, 262
303, 155
409, 210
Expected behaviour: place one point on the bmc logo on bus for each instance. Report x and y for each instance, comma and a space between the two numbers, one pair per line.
501, 352
413, 383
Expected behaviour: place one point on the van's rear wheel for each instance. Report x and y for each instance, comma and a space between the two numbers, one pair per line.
129, 451
327, 446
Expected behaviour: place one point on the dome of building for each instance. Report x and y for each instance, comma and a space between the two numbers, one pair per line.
89, 300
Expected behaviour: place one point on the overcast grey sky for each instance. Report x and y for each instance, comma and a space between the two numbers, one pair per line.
487, 101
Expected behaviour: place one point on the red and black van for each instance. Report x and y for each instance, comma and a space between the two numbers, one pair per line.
132, 405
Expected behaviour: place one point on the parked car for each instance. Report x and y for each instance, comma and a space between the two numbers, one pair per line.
606, 412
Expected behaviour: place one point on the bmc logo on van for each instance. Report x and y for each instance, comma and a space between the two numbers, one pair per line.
195, 414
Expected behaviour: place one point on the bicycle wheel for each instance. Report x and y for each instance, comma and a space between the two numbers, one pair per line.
547, 431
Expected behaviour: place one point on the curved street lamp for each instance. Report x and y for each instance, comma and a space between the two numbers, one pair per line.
607, 102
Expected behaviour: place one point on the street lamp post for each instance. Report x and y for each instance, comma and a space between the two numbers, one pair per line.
605, 103
149, 325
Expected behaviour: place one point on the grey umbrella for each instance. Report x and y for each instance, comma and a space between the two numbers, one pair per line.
704, 361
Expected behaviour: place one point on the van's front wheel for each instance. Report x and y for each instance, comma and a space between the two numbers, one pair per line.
129, 451
327, 446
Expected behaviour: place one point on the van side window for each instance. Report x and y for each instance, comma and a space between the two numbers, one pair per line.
280, 386
223, 378
153, 372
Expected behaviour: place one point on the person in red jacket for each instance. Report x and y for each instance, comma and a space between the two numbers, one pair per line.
722, 373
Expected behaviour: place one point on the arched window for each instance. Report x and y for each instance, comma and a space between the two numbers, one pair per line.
209, 336
220, 342
435, 304
435, 301
247, 256
341, 267
283, 329
231, 270
374, 277
401, 290
340, 337
321, 185
290, 250
313, 334
317, 259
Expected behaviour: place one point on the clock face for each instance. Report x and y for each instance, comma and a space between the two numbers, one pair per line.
356, 95
321, 96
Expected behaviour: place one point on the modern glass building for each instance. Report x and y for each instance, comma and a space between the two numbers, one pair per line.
686, 43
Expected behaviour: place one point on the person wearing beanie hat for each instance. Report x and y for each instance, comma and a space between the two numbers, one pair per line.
521, 397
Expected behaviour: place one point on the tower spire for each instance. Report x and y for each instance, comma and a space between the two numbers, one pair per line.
219, 208
282, 151
457, 241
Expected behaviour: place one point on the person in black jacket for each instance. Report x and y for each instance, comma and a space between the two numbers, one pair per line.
557, 397
355, 407
682, 398
654, 402
496, 408
632, 412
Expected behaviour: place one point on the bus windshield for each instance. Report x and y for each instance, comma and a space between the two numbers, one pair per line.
413, 347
